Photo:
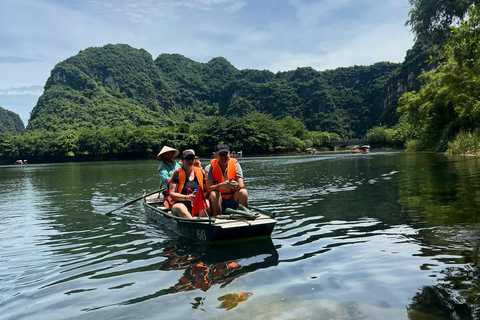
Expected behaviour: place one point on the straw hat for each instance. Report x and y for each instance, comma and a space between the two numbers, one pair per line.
166, 149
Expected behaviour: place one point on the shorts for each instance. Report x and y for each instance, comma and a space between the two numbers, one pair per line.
229, 203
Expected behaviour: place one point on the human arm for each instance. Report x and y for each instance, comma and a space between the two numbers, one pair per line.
179, 196
233, 184
165, 173
218, 186
228, 184
239, 176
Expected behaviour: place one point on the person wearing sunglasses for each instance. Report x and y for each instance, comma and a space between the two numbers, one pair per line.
184, 181
225, 182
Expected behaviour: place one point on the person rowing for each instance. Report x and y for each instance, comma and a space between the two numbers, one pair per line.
167, 165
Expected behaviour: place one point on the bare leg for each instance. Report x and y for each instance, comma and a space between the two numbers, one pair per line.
215, 203
180, 210
241, 197
203, 213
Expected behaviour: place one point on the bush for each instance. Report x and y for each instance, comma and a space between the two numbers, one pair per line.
466, 143
415, 145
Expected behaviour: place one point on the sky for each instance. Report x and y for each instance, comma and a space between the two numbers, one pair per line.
276, 35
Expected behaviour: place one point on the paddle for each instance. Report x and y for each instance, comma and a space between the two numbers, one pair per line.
134, 200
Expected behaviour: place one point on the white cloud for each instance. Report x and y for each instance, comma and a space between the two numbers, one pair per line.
365, 49
31, 90
269, 34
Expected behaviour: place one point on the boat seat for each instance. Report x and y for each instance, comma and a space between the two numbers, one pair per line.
154, 199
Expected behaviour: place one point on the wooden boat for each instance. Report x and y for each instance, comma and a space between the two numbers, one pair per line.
365, 149
231, 225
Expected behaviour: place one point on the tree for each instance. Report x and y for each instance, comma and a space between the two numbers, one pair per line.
432, 20
448, 103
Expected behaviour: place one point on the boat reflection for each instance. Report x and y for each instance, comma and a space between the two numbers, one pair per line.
207, 265
200, 275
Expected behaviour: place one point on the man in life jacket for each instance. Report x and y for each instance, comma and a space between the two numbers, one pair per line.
225, 182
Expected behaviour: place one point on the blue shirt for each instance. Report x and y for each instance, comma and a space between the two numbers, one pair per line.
166, 170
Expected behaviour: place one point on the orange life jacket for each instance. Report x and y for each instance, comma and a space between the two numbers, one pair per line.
217, 176
182, 179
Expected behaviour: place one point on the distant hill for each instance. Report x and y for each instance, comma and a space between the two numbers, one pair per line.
10, 122
117, 85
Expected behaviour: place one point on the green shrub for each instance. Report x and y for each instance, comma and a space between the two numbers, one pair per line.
466, 143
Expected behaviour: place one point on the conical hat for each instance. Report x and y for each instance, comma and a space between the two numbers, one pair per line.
166, 149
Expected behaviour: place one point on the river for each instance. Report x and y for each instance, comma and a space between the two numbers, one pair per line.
388, 235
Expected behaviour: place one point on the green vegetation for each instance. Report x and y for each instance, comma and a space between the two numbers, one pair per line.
102, 87
255, 133
432, 20
116, 102
444, 113
447, 104
10, 122
391, 137
117, 85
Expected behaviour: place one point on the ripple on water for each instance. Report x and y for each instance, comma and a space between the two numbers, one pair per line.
354, 240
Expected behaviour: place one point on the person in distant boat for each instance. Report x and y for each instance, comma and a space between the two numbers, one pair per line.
225, 182
167, 165
197, 163
185, 180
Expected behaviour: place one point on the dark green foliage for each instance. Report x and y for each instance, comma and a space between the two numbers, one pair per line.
448, 102
10, 122
115, 85
346, 101
255, 133
432, 20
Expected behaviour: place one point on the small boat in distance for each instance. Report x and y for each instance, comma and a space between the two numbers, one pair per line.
231, 225
365, 148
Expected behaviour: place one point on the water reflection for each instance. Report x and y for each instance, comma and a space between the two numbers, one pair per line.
357, 236
208, 265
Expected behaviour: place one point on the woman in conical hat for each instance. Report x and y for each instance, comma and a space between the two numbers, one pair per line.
167, 165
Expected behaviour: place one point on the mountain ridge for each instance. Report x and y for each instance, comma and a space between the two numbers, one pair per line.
10, 122
118, 85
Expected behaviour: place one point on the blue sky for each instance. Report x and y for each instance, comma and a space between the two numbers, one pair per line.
276, 35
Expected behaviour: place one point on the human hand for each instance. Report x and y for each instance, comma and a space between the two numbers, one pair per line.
233, 184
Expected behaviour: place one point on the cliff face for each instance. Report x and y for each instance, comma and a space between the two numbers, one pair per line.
405, 80
10, 122
117, 85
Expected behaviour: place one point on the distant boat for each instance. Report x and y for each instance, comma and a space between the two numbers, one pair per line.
231, 225
365, 148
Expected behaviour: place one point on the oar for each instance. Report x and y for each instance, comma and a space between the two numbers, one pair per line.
134, 200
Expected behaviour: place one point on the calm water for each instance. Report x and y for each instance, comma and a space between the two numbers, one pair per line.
378, 236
